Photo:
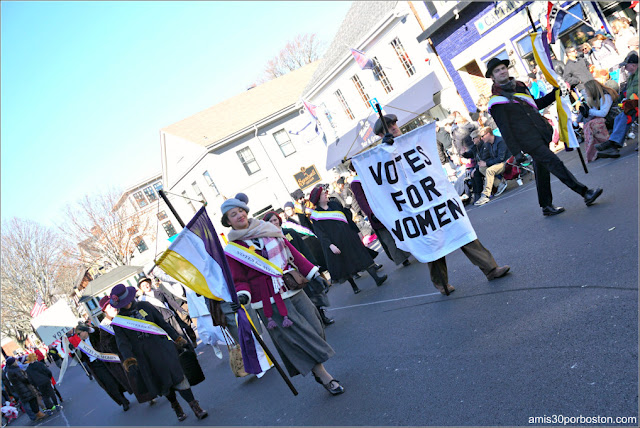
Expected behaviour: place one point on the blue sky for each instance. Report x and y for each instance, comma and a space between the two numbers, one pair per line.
86, 86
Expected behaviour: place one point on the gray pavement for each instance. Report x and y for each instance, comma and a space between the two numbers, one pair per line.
557, 336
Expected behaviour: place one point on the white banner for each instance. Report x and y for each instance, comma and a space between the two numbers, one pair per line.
55, 322
409, 192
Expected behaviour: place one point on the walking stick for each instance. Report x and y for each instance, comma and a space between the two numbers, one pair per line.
584, 164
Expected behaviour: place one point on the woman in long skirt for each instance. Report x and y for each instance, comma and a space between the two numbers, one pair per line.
258, 254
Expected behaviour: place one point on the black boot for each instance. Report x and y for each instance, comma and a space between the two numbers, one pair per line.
354, 286
325, 319
195, 406
379, 279
179, 412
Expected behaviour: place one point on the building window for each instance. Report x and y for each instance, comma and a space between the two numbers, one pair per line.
162, 215
209, 180
184, 193
381, 76
403, 57
285, 144
168, 227
198, 192
248, 161
150, 193
344, 104
139, 197
140, 244
360, 87
158, 186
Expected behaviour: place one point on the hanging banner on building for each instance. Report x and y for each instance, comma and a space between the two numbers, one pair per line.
307, 177
55, 322
409, 192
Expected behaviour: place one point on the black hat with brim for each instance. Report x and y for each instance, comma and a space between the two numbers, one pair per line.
493, 63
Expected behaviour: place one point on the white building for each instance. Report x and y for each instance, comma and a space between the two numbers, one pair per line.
408, 81
244, 144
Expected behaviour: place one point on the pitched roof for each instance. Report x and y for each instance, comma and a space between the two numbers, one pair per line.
109, 279
243, 110
360, 18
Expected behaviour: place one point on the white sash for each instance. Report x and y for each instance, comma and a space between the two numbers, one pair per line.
329, 215
138, 325
251, 259
300, 229
110, 358
153, 300
105, 324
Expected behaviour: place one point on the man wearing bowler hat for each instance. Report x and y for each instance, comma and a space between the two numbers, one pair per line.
522, 127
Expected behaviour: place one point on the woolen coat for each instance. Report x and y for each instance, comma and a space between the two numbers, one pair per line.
157, 357
108, 344
39, 374
20, 384
354, 256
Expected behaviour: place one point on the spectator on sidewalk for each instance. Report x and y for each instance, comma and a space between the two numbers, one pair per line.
496, 154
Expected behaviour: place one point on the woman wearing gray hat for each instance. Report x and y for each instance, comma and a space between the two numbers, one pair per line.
258, 255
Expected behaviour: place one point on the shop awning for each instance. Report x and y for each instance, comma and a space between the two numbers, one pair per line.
407, 105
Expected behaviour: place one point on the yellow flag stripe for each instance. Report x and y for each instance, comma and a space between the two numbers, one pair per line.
185, 272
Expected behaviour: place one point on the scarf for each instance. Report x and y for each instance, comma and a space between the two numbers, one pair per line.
507, 89
256, 229
264, 236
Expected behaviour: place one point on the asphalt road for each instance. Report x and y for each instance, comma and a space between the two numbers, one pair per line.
557, 336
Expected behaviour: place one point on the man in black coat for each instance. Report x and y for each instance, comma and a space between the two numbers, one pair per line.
21, 386
40, 376
164, 302
576, 71
524, 130
493, 162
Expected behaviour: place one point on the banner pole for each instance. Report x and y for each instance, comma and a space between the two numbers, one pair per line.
584, 164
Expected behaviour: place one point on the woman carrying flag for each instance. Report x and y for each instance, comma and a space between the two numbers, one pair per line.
141, 335
258, 254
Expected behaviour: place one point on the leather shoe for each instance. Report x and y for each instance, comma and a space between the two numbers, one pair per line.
442, 291
606, 145
381, 280
551, 210
125, 406
591, 195
498, 272
612, 152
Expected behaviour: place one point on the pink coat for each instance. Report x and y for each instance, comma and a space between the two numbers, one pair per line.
258, 286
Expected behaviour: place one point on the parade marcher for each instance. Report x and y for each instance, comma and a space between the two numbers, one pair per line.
40, 376
112, 385
107, 344
346, 255
317, 287
209, 333
164, 303
387, 242
525, 130
294, 324
152, 356
309, 237
55, 356
302, 209
24, 389
177, 291
474, 250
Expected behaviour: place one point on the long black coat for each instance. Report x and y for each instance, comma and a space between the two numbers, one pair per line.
108, 344
114, 386
158, 362
20, 384
354, 256
39, 374
521, 125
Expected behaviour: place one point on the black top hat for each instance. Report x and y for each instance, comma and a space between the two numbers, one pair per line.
389, 118
493, 63
143, 279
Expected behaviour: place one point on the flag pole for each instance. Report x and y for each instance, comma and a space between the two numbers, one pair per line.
253, 328
584, 164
